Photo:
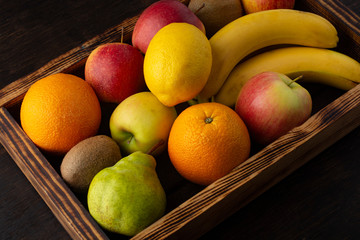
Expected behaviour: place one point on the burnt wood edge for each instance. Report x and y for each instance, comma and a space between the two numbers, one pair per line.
344, 14
260, 172
14, 92
212, 214
61, 200
344, 19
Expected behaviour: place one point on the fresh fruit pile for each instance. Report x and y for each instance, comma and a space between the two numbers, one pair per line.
234, 91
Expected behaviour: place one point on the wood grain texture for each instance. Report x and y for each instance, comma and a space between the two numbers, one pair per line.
60, 199
347, 16
345, 20
74, 59
13, 93
208, 208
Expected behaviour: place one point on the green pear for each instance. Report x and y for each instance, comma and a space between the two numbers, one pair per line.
127, 197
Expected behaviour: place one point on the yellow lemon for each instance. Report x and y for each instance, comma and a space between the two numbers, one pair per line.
177, 63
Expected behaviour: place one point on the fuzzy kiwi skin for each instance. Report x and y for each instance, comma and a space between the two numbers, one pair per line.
215, 14
86, 159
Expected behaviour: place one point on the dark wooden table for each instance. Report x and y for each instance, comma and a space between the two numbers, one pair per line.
321, 200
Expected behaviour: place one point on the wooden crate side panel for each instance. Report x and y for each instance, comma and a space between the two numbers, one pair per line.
347, 23
216, 202
69, 62
56, 194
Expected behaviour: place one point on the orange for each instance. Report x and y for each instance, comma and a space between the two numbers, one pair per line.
207, 141
59, 111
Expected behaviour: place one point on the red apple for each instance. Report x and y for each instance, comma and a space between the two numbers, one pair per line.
158, 15
115, 71
251, 6
271, 104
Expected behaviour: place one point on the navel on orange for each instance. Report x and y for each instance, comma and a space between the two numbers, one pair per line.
207, 141
59, 111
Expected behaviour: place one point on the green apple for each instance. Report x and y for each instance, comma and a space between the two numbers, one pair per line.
142, 123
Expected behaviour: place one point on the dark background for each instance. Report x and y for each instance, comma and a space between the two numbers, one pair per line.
321, 200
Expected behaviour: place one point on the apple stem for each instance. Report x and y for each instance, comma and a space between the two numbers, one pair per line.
294, 80
130, 139
122, 35
201, 7
153, 149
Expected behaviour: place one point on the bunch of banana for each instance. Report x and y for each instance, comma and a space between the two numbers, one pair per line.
255, 31
314, 64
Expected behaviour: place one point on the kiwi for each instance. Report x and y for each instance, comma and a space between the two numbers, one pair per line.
86, 159
215, 14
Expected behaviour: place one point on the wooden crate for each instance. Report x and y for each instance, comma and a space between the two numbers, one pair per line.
192, 210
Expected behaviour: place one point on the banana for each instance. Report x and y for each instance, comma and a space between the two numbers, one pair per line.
315, 64
258, 30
